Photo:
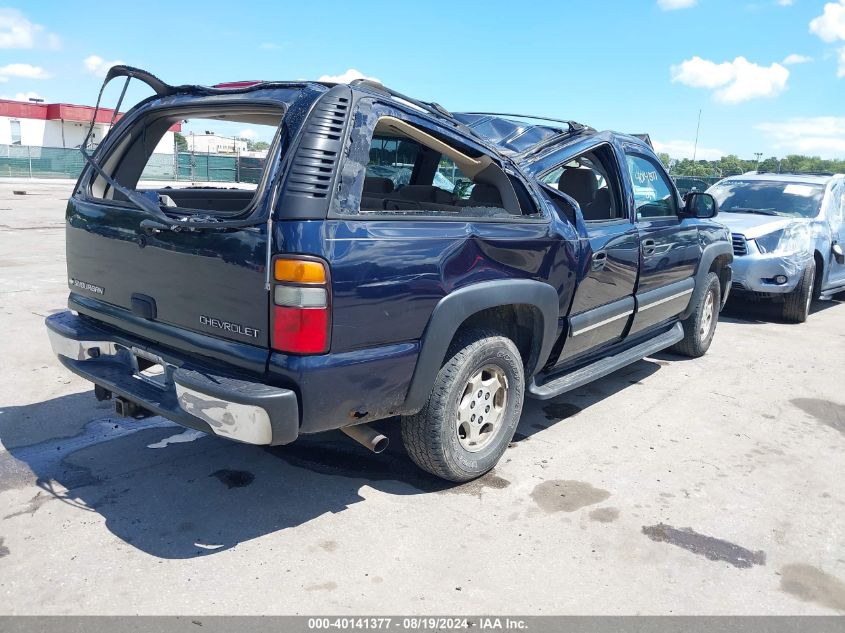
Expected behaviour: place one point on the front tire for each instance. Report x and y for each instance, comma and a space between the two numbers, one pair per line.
473, 410
797, 304
700, 326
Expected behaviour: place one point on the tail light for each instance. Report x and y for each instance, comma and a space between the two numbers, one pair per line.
301, 303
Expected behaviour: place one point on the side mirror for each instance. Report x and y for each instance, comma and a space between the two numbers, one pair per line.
838, 254
698, 204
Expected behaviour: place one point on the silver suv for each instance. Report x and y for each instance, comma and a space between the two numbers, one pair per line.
788, 235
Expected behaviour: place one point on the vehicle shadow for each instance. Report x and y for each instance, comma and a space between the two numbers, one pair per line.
757, 312
190, 498
540, 415
175, 493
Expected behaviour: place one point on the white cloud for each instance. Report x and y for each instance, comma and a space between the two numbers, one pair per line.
98, 66
16, 31
732, 82
672, 5
702, 73
26, 71
823, 136
796, 59
269, 46
247, 133
786, 3
830, 25
684, 149
344, 78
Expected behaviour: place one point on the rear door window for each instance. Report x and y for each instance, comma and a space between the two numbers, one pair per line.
590, 180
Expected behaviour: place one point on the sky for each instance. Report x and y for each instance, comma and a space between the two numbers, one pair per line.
767, 75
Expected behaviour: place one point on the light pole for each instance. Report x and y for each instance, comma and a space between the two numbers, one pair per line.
758, 155
697, 128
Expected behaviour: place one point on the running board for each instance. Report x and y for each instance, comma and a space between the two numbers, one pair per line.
605, 366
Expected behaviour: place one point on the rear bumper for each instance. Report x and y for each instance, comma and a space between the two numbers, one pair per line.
225, 404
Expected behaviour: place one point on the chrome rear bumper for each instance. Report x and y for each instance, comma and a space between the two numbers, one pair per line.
228, 405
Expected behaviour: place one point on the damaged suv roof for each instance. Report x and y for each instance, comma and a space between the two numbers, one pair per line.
504, 132
512, 136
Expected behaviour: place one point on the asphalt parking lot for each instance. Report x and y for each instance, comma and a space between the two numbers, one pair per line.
709, 486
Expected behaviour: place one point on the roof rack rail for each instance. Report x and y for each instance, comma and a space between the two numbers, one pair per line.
432, 108
574, 126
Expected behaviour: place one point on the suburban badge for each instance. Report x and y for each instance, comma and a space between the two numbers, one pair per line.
84, 285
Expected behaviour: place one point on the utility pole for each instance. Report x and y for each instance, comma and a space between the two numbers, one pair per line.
697, 128
758, 155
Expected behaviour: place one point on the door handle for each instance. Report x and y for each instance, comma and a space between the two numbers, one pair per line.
648, 247
599, 260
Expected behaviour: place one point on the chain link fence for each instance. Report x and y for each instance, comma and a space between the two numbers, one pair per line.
29, 161
694, 183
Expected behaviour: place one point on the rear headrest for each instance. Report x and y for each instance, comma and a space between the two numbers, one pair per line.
485, 195
374, 184
426, 193
578, 183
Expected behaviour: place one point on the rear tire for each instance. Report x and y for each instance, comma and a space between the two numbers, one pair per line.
700, 326
449, 437
797, 304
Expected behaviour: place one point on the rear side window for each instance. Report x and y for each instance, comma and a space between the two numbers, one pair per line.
450, 177
839, 204
654, 197
414, 171
393, 159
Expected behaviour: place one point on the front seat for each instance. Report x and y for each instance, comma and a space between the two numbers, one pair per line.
579, 184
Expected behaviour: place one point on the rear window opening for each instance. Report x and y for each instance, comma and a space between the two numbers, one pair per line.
210, 160
412, 172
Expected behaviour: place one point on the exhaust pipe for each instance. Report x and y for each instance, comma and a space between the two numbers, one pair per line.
367, 437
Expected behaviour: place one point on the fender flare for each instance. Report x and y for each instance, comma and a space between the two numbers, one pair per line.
453, 309
710, 253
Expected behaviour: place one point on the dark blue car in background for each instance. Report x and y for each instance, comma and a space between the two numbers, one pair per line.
393, 260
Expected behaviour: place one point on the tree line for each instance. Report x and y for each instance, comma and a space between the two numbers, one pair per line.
732, 165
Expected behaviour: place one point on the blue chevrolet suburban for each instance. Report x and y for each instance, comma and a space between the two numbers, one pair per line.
393, 259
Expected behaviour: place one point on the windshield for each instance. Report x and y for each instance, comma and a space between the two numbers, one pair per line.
769, 197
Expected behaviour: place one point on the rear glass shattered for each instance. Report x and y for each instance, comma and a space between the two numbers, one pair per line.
190, 152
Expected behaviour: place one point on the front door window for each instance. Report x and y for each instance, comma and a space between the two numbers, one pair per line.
654, 197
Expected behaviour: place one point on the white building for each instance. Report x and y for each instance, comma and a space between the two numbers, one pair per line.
211, 143
60, 125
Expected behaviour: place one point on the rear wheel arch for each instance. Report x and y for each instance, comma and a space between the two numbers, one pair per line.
521, 323
508, 306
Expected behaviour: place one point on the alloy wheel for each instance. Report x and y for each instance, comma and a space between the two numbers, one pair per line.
481, 408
